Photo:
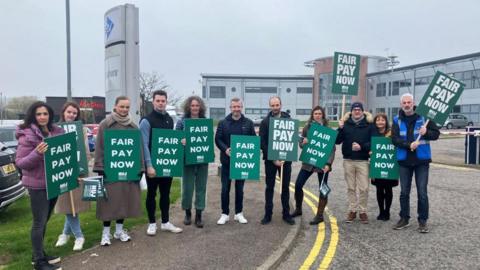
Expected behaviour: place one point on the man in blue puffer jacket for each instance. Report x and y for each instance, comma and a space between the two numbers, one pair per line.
413, 157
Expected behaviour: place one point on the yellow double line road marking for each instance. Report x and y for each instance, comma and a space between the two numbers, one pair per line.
317, 246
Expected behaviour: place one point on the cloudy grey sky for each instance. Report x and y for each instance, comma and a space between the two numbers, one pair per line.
180, 39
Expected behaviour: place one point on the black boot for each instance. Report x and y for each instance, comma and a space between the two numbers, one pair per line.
188, 217
297, 212
386, 214
198, 219
381, 215
319, 216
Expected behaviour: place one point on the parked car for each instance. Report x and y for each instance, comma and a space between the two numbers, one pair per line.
11, 188
91, 140
93, 128
258, 121
7, 136
457, 120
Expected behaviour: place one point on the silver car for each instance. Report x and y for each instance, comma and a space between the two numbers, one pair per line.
457, 120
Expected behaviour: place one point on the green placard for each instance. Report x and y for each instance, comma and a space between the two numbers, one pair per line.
245, 157
199, 137
283, 139
93, 188
122, 157
383, 160
61, 167
346, 73
167, 152
77, 127
320, 144
440, 98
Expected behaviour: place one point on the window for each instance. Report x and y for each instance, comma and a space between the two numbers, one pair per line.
380, 110
396, 85
217, 91
259, 111
381, 89
234, 89
423, 80
204, 92
303, 111
261, 90
304, 90
395, 111
217, 113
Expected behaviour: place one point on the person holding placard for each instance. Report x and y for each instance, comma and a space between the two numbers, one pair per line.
158, 118
194, 176
272, 167
354, 133
316, 116
234, 124
37, 125
70, 113
384, 186
123, 196
414, 157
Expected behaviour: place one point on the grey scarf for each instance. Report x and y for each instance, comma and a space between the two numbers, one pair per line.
124, 121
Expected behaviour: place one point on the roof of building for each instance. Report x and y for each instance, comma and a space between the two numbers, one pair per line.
311, 62
252, 76
430, 63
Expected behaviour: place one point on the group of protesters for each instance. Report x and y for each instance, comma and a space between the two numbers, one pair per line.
355, 130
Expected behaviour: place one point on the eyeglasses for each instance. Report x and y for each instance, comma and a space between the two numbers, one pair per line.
41, 113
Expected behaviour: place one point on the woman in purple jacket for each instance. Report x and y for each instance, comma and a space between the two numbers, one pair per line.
37, 125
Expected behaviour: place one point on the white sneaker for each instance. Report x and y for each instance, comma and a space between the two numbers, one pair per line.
223, 219
170, 227
78, 244
106, 239
240, 218
62, 240
122, 236
152, 229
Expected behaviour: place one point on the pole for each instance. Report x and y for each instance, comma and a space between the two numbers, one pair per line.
72, 204
69, 79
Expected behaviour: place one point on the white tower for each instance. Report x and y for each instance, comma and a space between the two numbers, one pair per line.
122, 67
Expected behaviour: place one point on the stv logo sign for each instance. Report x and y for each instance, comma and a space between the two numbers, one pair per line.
108, 27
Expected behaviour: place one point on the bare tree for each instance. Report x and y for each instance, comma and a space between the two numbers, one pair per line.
18, 105
150, 82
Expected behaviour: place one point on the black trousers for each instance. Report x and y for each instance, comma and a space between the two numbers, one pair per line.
270, 173
163, 184
42, 209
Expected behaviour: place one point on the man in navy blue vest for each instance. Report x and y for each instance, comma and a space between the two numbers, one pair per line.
234, 124
158, 118
414, 157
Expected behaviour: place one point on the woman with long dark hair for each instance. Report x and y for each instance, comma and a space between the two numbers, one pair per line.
384, 186
316, 116
71, 113
194, 176
38, 125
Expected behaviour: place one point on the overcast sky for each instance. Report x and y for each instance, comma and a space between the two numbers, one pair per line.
180, 39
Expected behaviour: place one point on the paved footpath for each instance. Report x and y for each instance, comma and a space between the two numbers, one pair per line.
230, 246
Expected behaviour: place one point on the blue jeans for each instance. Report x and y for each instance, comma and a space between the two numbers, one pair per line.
226, 191
72, 226
421, 181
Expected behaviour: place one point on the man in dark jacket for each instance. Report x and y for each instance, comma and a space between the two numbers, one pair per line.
158, 118
414, 156
354, 133
273, 166
234, 124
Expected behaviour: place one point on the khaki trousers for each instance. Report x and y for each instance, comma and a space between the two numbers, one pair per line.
356, 175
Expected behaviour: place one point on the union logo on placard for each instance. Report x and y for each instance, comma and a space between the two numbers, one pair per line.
166, 172
63, 187
431, 114
122, 176
344, 89
384, 174
200, 158
282, 155
244, 174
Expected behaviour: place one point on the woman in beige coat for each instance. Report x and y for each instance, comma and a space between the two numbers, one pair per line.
123, 197
70, 113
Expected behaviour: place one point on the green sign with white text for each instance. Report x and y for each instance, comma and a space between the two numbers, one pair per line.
245, 157
61, 166
77, 127
199, 141
440, 98
319, 146
383, 160
283, 139
122, 156
346, 73
167, 152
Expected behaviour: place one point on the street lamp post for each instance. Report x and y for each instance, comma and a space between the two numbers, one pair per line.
69, 82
